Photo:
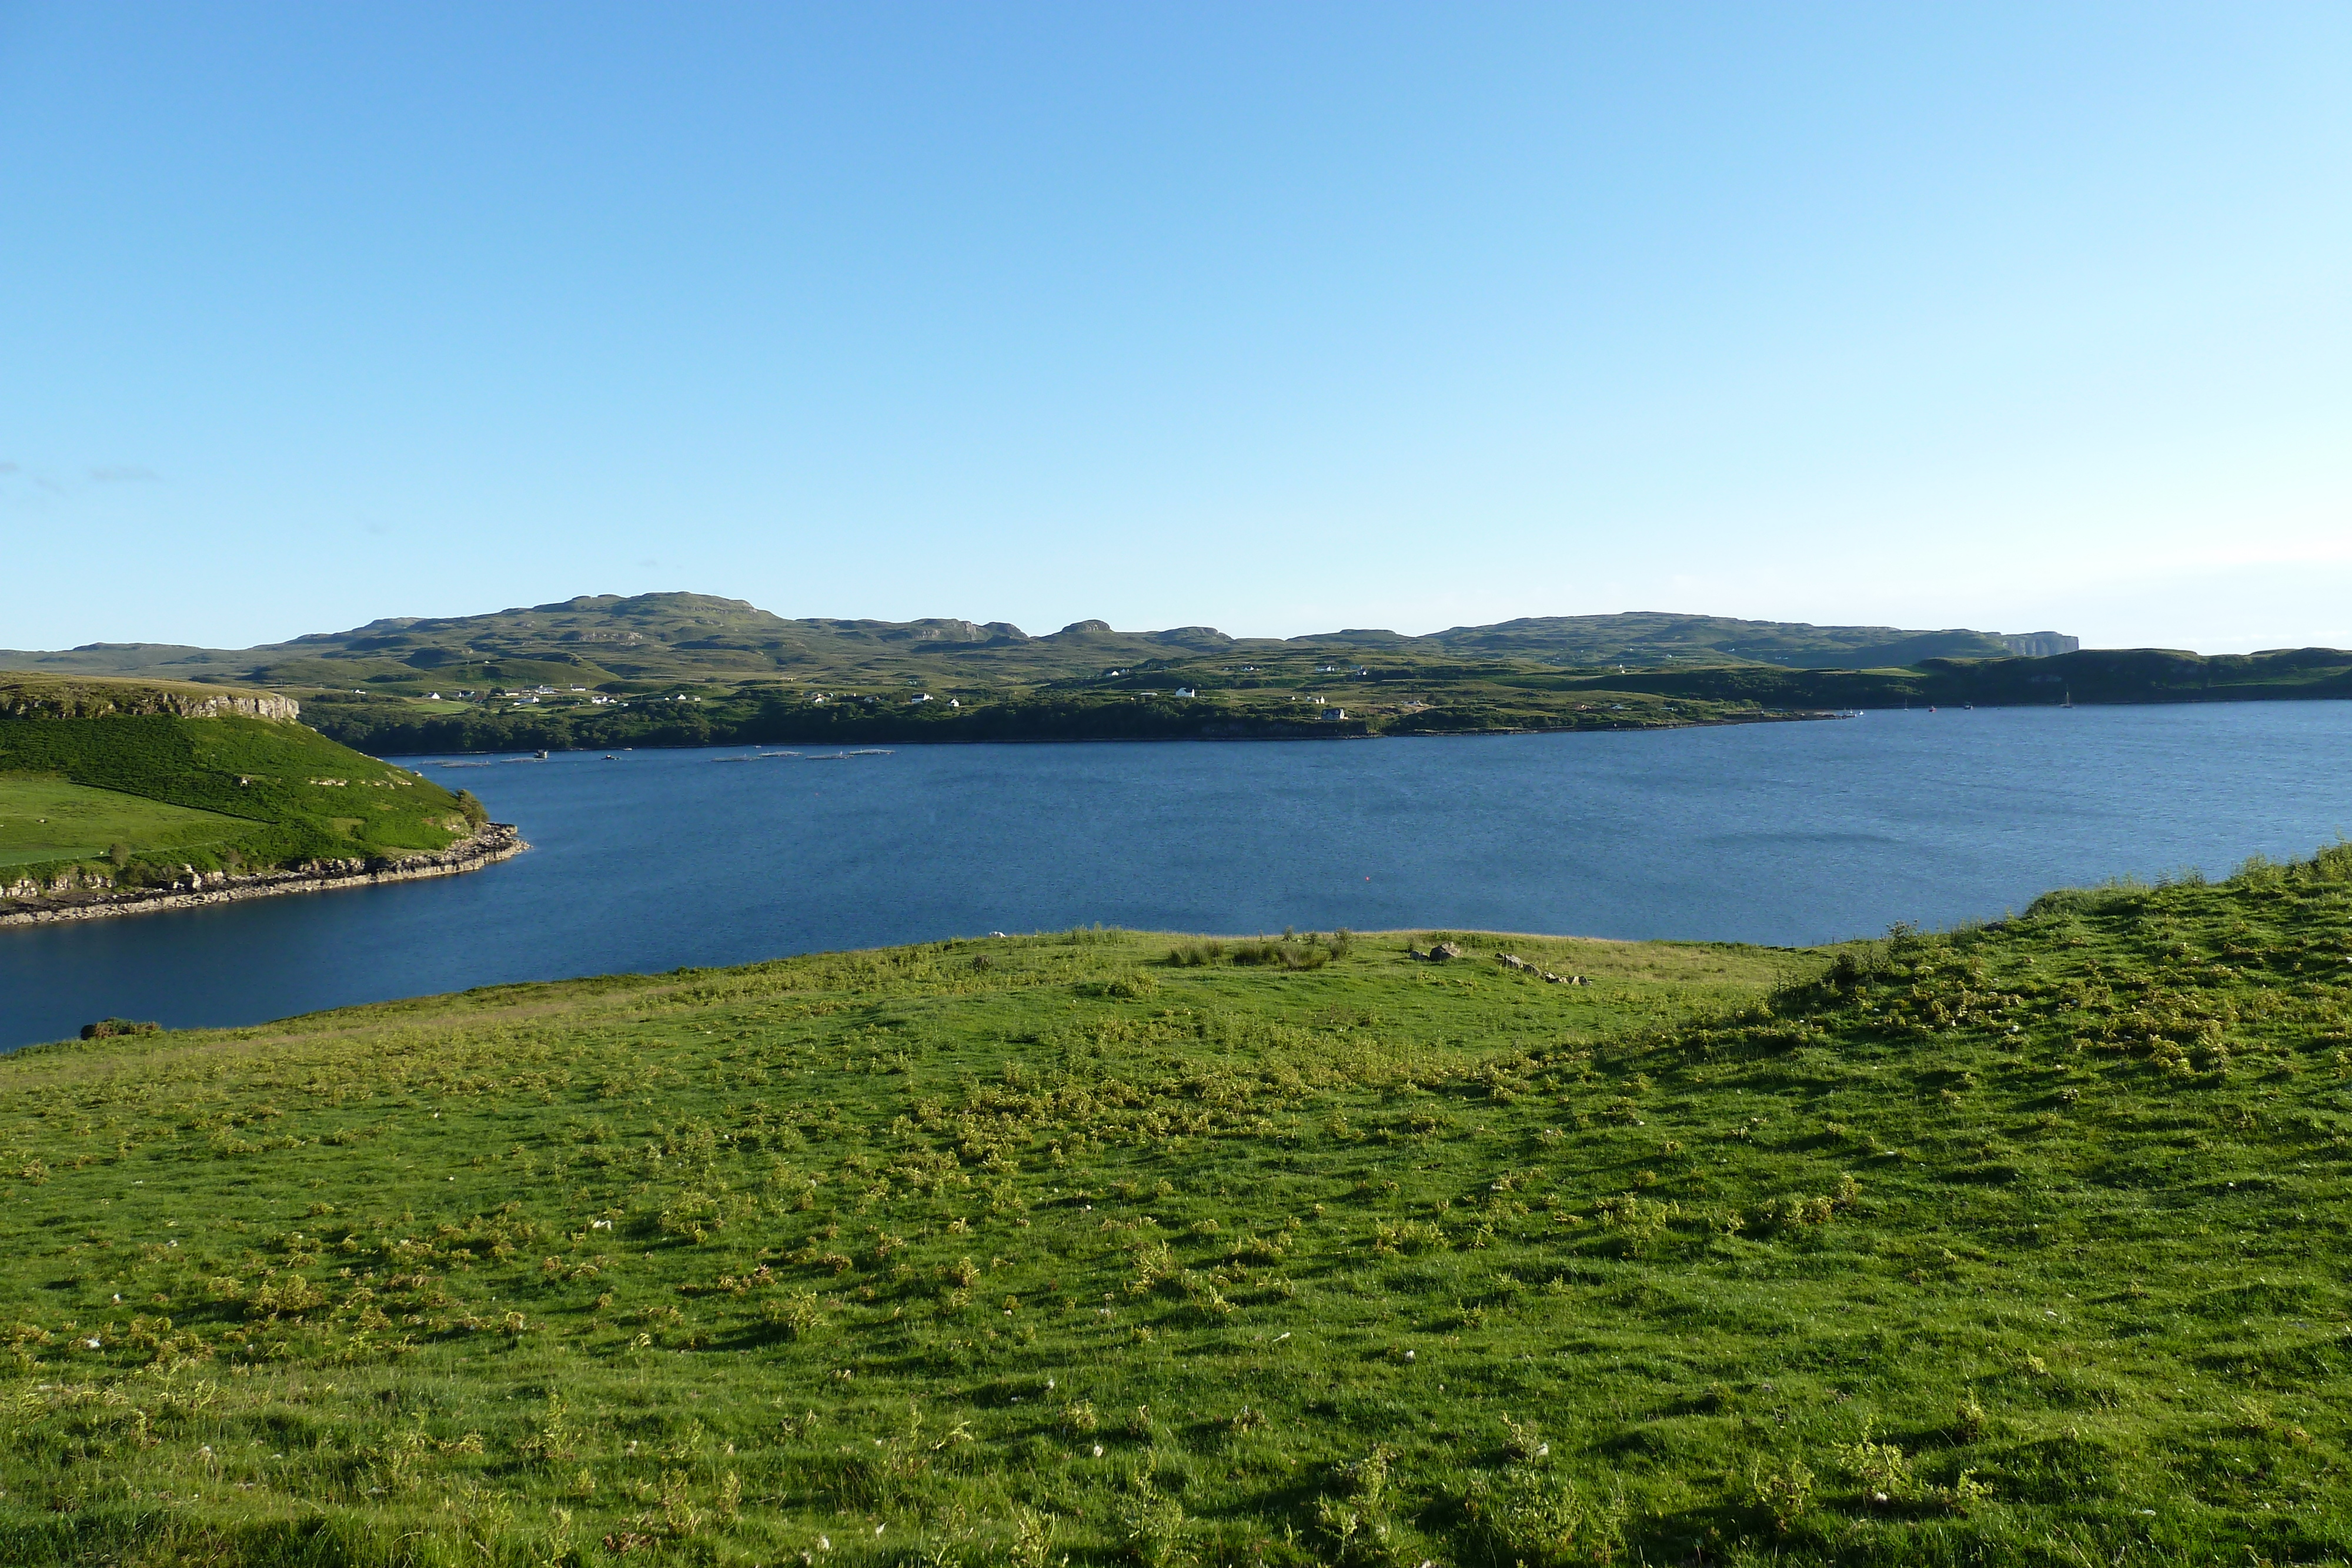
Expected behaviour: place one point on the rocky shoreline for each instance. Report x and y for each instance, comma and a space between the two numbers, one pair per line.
491, 842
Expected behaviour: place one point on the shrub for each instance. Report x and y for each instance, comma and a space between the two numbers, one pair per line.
2108, 896
1134, 986
692, 1216
1407, 1236
1281, 955
1782, 1490
1880, 1468
1154, 1526
1529, 1515
1357, 1520
108, 1028
795, 1316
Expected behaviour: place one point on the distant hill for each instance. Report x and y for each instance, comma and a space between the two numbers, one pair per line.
1654, 638
655, 637
690, 669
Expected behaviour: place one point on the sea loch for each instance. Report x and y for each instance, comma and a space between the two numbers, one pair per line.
1790, 833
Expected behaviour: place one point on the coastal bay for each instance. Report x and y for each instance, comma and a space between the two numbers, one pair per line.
1779, 834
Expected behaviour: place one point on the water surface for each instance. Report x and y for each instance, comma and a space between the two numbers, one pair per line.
1781, 833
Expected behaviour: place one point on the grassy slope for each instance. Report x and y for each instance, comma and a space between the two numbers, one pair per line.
2038, 1232
44, 820
281, 814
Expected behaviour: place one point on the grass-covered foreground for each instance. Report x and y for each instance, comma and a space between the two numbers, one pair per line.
2017, 1245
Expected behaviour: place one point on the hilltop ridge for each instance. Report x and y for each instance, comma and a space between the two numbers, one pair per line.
672, 635
603, 671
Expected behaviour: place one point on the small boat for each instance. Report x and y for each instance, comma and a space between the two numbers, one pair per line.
539, 756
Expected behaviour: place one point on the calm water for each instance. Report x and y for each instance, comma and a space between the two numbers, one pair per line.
1779, 833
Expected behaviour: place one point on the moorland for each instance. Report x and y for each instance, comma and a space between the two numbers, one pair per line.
601, 672
684, 669
2020, 1243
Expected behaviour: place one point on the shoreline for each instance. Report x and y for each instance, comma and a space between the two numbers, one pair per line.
488, 845
1302, 732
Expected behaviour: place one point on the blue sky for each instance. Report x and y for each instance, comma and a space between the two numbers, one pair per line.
1278, 317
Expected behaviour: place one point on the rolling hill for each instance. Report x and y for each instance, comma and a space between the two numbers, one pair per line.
658, 637
2022, 1244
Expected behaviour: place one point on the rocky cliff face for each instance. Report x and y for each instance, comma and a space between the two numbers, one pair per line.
40, 696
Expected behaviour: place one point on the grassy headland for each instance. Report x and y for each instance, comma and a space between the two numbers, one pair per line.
2020, 1244
109, 784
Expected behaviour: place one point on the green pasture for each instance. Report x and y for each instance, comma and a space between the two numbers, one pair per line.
2023, 1244
45, 818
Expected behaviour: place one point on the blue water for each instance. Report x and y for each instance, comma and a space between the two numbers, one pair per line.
1777, 833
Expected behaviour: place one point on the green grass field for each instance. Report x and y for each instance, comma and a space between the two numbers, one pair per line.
45, 818
2024, 1244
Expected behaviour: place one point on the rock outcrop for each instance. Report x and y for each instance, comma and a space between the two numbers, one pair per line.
92, 900
1512, 961
53, 697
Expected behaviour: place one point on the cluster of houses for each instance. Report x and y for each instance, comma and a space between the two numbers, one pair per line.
818, 699
523, 697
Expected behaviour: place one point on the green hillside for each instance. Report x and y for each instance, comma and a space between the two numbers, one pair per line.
2093, 675
47, 821
2019, 1244
607, 641
681, 669
138, 794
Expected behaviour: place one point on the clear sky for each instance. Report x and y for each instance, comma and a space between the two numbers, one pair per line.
1279, 317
